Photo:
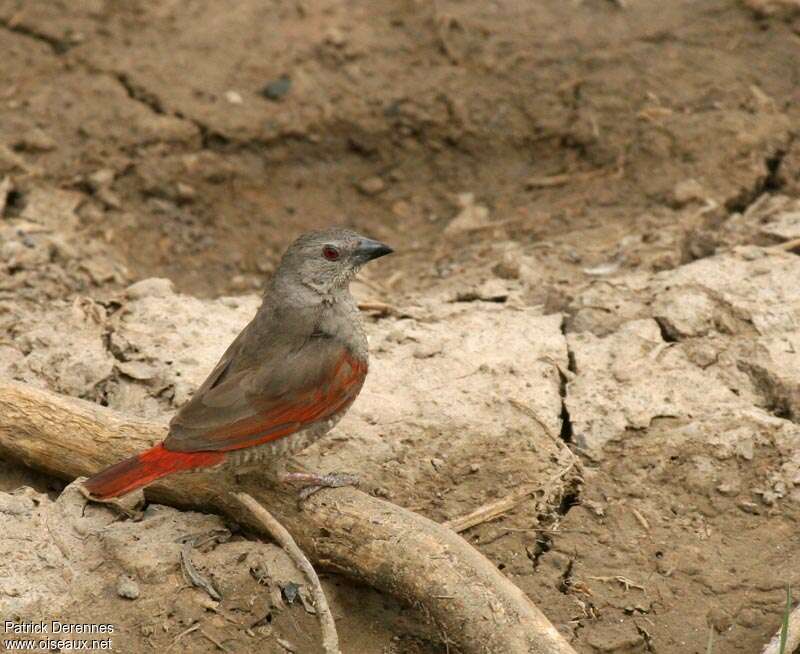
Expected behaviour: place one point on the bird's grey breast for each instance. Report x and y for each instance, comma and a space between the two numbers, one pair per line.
341, 320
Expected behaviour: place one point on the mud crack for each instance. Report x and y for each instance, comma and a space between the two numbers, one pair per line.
566, 422
139, 94
58, 46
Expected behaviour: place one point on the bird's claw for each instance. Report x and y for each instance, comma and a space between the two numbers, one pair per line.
316, 482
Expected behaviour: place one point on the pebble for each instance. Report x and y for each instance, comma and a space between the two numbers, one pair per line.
99, 179
185, 192
371, 186
689, 190
127, 587
728, 489
471, 216
508, 267
719, 619
233, 97
427, 350
109, 198
151, 287
749, 618
140, 370
748, 507
277, 88
335, 37
402, 209
35, 140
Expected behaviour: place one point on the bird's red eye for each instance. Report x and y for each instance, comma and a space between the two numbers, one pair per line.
330, 253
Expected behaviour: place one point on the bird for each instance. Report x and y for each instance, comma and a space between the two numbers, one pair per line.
282, 384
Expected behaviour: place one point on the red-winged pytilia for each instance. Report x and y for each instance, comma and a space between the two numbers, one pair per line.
285, 381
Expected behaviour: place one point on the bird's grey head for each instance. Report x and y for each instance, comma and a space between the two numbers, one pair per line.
327, 260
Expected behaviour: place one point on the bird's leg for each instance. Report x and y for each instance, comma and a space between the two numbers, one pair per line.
313, 482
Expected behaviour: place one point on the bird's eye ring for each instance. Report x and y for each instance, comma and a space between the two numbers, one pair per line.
330, 253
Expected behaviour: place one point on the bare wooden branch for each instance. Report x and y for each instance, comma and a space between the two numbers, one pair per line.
330, 639
385, 546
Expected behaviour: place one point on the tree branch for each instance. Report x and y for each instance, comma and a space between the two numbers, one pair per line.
383, 545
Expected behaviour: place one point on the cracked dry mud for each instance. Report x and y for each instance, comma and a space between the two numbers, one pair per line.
587, 200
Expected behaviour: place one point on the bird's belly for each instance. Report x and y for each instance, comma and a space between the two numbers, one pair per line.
283, 447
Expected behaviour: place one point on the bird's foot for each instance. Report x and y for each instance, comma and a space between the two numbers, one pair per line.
313, 482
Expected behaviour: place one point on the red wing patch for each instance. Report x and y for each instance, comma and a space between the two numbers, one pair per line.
294, 413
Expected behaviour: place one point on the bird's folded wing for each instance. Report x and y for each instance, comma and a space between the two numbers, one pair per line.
254, 405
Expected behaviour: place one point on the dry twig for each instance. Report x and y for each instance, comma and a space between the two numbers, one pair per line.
492, 510
381, 308
330, 639
627, 583
193, 574
495, 509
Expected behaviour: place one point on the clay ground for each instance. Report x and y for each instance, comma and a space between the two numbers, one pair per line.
531, 155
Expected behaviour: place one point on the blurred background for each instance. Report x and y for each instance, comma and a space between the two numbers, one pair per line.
206, 135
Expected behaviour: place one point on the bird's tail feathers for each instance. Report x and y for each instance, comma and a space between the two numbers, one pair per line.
145, 468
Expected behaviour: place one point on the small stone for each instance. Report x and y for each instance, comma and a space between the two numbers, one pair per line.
427, 350
335, 37
698, 245
402, 209
10, 250
233, 97
749, 618
371, 186
151, 287
127, 587
689, 190
185, 192
785, 226
492, 290
471, 217
748, 507
749, 252
437, 463
508, 267
35, 140
209, 166
728, 488
277, 88
290, 591
240, 282
100, 179
109, 198
719, 619
138, 370
474, 467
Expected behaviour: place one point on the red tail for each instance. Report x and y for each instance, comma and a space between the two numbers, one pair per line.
145, 468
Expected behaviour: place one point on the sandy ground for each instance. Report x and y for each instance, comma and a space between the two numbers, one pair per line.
595, 186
